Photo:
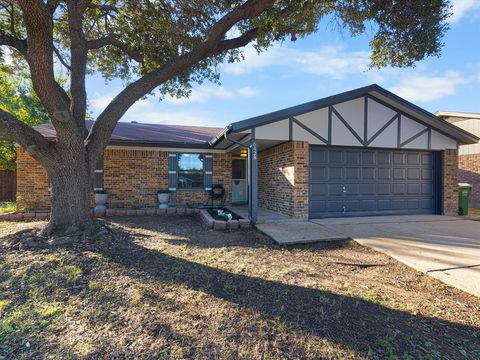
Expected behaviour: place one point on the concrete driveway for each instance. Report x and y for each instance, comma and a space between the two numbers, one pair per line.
447, 248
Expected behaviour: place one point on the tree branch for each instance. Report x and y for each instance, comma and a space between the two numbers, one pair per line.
78, 61
111, 40
102, 129
12, 129
38, 22
19, 44
61, 59
237, 42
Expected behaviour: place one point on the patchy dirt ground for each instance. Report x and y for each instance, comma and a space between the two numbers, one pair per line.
168, 288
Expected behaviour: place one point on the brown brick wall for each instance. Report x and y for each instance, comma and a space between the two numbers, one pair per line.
469, 172
132, 178
450, 181
32, 183
283, 178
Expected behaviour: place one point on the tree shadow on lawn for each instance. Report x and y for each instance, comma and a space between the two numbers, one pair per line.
362, 326
189, 231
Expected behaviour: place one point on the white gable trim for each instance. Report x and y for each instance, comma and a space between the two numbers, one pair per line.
361, 122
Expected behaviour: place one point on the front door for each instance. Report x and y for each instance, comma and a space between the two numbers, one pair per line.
239, 180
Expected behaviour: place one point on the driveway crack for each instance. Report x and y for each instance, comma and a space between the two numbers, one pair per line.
454, 268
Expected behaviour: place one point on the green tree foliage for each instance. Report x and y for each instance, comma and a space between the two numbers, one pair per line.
18, 98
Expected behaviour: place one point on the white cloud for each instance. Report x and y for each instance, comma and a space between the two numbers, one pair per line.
332, 61
462, 8
200, 95
429, 88
100, 102
203, 94
151, 111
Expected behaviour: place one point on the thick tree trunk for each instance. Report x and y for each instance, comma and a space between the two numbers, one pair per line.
70, 191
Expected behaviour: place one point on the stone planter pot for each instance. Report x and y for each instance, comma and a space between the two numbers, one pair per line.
101, 202
163, 199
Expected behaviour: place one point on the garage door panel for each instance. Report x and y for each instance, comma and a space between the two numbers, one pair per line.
318, 156
335, 156
427, 159
399, 189
334, 206
398, 158
335, 189
385, 205
336, 173
318, 173
368, 158
399, 173
413, 174
427, 174
384, 189
413, 189
384, 173
318, 190
353, 158
426, 204
368, 173
353, 173
367, 189
351, 189
413, 204
368, 205
427, 189
353, 205
413, 159
361, 181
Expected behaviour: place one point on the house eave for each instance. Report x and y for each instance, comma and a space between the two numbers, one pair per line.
443, 126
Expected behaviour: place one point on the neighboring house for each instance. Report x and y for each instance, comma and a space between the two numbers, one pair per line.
362, 152
469, 155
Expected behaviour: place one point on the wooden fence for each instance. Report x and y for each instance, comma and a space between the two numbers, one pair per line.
8, 185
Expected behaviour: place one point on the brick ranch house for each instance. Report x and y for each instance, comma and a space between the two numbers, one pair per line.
362, 152
468, 155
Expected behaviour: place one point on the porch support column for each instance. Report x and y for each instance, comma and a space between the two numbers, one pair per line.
252, 179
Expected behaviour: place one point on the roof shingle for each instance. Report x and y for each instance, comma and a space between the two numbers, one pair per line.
150, 133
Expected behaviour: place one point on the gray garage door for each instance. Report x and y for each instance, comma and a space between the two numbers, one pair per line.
362, 182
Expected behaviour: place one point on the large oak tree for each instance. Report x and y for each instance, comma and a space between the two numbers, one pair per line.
166, 45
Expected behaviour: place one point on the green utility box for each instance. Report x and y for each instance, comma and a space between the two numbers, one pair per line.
464, 191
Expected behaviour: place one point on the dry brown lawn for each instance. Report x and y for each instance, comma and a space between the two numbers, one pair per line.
168, 288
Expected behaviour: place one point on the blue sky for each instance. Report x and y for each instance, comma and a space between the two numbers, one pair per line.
323, 64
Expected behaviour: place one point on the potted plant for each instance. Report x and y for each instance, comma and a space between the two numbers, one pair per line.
163, 198
101, 197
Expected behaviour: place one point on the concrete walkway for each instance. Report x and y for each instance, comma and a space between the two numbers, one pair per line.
447, 248
300, 232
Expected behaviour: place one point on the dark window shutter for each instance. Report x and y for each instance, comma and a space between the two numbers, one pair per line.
208, 169
172, 171
98, 175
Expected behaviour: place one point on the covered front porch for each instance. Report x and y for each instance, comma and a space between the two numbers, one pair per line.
272, 181
244, 150
265, 182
